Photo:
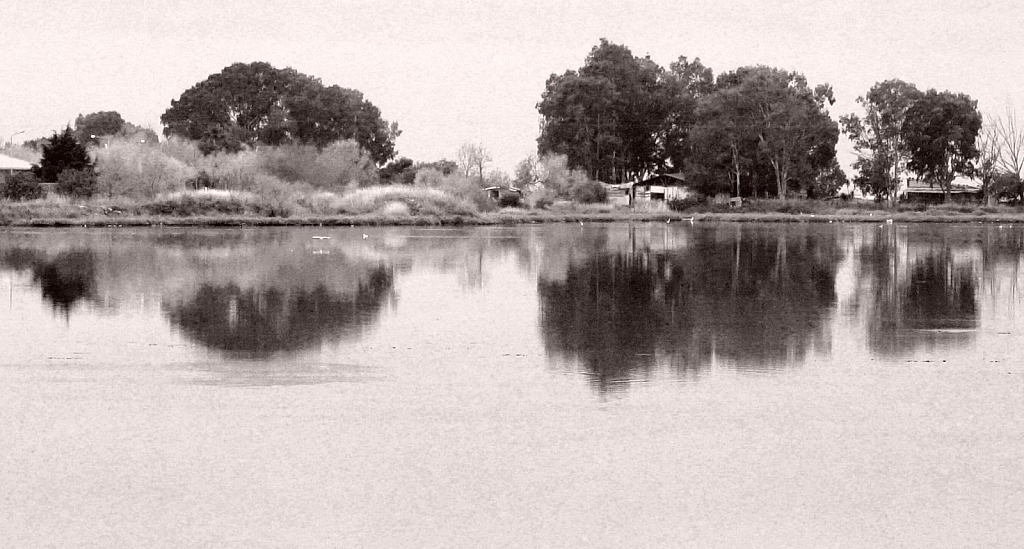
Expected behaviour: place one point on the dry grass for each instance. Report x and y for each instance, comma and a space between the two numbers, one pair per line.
419, 200
209, 202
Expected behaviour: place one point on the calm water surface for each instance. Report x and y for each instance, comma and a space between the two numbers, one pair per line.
646, 385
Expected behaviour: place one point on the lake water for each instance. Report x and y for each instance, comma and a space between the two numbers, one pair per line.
598, 385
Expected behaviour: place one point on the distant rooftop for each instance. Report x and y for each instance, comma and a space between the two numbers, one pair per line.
7, 163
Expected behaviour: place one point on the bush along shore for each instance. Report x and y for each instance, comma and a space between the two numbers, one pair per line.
405, 205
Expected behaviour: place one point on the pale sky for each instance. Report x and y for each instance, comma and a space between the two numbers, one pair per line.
451, 72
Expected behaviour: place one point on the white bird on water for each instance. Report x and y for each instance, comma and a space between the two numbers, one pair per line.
322, 237
366, 235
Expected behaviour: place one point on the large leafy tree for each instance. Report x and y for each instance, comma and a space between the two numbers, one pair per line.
767, 123
606, 117
878, 136
97, 124
724, 142
795, 134
684, 84
255, 103
941, 131
60, 153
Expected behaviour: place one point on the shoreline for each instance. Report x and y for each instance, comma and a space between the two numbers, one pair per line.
508, 218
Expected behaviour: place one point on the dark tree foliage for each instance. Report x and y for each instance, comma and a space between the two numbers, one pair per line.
138, 134
446, 167
828, 182
62, 152
102, 123
607, 116
398, 172
878, 136
77, 183
35, 144
724, 144
20, 186
756, 131
255, 103
941, 131
761, 131
795, 135
685, 83
1006, 186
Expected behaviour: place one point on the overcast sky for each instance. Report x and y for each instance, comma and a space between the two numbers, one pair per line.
451, 72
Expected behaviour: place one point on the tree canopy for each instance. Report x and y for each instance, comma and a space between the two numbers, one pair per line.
255, 103
878, 136
91, 126
606, 116
622, 118
941, 130
767, 124
62, 152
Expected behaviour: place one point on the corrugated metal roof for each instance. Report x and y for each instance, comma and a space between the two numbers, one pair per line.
662, 176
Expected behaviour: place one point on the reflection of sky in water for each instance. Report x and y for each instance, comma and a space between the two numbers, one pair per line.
457, 412
617, 303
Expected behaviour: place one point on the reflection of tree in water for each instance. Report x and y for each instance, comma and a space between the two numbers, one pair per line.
933, 302
260, 322
65, 279
940, 295
754, 299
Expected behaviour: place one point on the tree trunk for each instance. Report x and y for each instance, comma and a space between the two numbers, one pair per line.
780, 180
736, 168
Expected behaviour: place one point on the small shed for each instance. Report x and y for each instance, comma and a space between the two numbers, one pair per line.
618, 195
504, 195
962, 189
660, 189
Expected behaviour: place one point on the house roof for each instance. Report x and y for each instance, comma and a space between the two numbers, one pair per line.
664, 179
939, 190
958, 182
8, 163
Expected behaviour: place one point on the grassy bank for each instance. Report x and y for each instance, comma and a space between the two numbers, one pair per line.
414, 206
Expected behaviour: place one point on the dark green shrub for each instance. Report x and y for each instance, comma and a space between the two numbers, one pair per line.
586, 191
62, 152
21, 186
201, 181
76, 183
911, 207
509, 199
185, 205
684, 204
541, 199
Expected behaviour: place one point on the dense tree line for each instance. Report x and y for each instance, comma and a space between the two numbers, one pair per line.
761, 131
753, 131
932, 135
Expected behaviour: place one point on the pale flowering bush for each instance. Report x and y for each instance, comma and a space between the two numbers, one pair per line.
129, 170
